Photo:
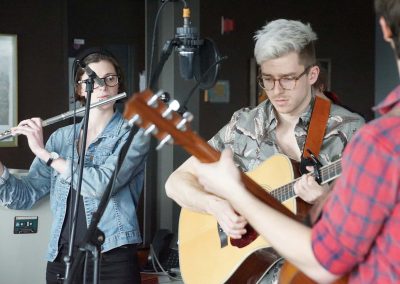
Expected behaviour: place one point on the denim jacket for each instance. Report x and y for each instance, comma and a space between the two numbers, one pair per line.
119, 222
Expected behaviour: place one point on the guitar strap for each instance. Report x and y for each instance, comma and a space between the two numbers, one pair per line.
316, 131
315, 136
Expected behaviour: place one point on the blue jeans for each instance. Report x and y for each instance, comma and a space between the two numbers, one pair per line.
119, 265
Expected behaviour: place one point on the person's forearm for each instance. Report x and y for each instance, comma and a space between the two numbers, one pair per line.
290, 238
183, 187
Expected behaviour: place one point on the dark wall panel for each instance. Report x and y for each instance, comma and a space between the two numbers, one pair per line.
119, 24
42, 77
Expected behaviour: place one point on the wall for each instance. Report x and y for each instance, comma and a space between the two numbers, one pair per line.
386, 73
169, 157
22, 256
42, 65
117, 25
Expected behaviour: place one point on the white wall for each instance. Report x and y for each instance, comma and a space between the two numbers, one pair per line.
22, 256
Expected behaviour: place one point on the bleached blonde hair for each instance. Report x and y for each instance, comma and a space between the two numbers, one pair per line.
280, 37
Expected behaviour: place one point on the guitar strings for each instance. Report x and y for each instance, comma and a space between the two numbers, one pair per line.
327, 172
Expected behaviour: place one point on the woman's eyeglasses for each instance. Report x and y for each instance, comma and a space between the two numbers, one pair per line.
109, 80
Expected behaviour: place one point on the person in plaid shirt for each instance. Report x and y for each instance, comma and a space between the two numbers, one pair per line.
358, 231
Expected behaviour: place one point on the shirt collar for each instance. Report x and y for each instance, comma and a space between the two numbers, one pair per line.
112, 128
304, 118
389, 102
114, 125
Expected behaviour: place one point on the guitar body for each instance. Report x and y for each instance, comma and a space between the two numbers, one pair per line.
289, 274
202, 256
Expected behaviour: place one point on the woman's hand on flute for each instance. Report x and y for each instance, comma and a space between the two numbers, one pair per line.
33, 130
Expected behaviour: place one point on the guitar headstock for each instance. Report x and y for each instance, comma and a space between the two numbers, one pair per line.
149, 112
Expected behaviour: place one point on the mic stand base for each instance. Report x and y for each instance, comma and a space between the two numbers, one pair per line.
94, 250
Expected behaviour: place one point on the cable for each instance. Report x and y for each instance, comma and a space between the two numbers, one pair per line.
153, 40
164, 272
183, 108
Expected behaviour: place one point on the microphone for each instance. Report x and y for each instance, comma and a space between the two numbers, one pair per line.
196, 56
91, 73
188, 43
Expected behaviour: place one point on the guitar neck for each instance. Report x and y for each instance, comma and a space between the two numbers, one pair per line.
327, 174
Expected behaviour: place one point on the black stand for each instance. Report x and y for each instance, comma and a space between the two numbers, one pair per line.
166, 52
68, 259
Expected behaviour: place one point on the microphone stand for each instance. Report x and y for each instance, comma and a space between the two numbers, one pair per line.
166, 52
68, 259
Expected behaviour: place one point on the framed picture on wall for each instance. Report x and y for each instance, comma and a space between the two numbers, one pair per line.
8, 88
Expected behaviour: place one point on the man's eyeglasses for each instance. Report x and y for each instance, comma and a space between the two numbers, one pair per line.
286, 83
110, 81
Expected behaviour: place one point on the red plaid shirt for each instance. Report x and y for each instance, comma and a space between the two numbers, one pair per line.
359, 230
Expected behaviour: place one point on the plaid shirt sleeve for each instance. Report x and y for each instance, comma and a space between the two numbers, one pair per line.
360, 203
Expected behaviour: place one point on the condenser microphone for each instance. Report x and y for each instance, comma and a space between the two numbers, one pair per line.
188, 45
91, 73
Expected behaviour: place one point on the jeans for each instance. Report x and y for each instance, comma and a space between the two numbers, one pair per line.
117, 266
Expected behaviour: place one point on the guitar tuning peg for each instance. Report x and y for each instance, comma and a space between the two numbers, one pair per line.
186, 117
173, 106
153, 101
166, 139
134, 119
151, 129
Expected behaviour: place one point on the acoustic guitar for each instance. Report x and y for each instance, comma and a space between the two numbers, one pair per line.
206, 253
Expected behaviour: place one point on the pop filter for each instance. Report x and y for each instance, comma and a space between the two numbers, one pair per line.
204, 59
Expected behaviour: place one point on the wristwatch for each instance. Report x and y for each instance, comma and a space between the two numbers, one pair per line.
53, 156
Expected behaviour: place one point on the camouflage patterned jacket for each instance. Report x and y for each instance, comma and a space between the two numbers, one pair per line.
251, 134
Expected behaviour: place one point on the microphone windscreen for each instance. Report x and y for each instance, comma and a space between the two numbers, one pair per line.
206, 57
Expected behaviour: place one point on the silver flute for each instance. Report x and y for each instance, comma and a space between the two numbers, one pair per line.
7, 134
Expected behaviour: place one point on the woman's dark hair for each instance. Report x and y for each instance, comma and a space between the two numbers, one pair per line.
93, 55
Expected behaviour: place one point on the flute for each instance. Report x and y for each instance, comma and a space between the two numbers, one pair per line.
7, 134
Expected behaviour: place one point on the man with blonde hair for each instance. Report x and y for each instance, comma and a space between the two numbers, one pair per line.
285, 53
